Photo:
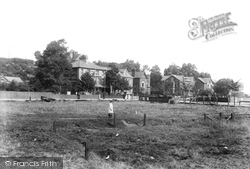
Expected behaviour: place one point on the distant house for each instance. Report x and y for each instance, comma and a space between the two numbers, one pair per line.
141, 82
98, 73
125, 75
8, 79
178, 85
204, 84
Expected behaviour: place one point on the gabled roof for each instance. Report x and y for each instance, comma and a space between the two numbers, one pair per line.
179, 77
189, 79
164, 78
139, 75
122, 70
15, 79
205, 80
87, 65
124, 73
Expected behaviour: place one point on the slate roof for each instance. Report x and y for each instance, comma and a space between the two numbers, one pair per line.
87, 65
139, 75
124, 73
205, 80
179, 77
15, 79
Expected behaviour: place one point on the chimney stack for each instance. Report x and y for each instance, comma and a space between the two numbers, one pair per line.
133, 72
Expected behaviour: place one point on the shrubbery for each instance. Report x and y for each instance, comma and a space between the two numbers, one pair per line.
14, 86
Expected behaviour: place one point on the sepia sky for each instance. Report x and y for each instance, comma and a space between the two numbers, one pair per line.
150, 32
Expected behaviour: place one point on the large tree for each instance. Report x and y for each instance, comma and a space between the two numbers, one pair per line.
155, 80
114, 80
189, 70
204, 75
223, 86
145, 68
52, 64
172, 69
87, 82
130, 64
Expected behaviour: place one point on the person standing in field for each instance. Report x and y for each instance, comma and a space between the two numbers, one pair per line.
111, 109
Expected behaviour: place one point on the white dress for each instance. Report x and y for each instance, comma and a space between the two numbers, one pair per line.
111, 108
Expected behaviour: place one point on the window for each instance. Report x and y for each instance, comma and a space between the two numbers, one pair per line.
96, 73
142, 84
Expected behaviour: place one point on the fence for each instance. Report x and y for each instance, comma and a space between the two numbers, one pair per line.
13, 95
55, 127
155, 99
113, 97
213, 99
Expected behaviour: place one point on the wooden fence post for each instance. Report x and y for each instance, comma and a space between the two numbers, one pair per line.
234, 100
232, 116
220, 116
54, 126
204, 116
221, 122
86, 155
114, 120
203, 99
144, 121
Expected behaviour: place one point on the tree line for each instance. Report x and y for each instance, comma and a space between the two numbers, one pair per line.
52, 70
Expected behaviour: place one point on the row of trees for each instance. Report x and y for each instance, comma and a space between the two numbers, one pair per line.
187, 69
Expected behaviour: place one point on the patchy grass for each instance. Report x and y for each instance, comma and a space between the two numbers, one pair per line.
176, 136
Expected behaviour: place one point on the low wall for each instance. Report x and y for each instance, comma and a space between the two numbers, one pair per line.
12, 95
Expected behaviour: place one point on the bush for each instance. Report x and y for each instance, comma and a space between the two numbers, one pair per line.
171, 101
12, 86
3, 86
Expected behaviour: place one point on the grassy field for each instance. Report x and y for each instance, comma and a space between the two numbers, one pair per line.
176, 136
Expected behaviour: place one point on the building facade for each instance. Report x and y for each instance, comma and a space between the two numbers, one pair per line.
98, 73
204, 84
141, 82
178, 85
125, 75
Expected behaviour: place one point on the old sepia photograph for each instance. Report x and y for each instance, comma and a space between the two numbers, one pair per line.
113, 84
